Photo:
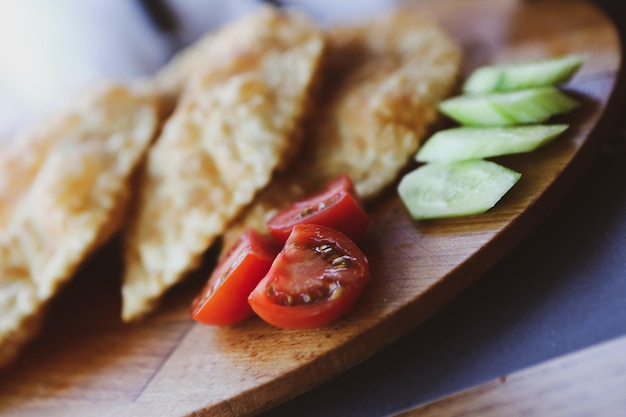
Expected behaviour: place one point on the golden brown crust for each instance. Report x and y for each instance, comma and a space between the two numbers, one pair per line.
382, 82
73, 171
19, 295
236, 123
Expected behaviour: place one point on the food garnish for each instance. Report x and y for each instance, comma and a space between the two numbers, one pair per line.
460, 188
521, 75
462, 143
224, 298
500, 114
316, 279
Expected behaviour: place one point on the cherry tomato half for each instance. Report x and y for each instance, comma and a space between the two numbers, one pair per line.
316, 278
224, 298
337, 206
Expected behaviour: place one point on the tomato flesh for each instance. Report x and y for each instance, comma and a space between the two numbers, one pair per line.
337, 206
224, 298
315, 279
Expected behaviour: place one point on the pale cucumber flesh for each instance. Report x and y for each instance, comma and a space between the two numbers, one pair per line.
441, 190
462, 143
474, 111
534, 105
522, 75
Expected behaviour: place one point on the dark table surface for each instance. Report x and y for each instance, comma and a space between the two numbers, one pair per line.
561, 290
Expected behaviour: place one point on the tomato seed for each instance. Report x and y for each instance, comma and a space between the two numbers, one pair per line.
336, 293
341, 262
305, 212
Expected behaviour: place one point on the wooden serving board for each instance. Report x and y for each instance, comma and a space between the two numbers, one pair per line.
88, 363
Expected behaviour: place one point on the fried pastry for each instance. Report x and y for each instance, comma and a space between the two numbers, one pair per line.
64, 186
382, 82
237, 121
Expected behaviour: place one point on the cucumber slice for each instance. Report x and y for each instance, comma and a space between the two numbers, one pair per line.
464, 143
533, 105
474, 111
463, 188
521, 75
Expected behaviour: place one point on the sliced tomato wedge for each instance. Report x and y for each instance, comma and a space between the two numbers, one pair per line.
224, 298
337, 206
315, 279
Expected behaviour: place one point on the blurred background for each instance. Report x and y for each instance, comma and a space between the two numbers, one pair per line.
49, 48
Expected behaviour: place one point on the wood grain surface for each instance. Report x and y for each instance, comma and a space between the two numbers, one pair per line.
88, 363
589, 383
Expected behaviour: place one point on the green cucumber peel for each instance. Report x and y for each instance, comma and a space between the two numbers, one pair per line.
522, 75
534, 105
442, 190
462, 143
